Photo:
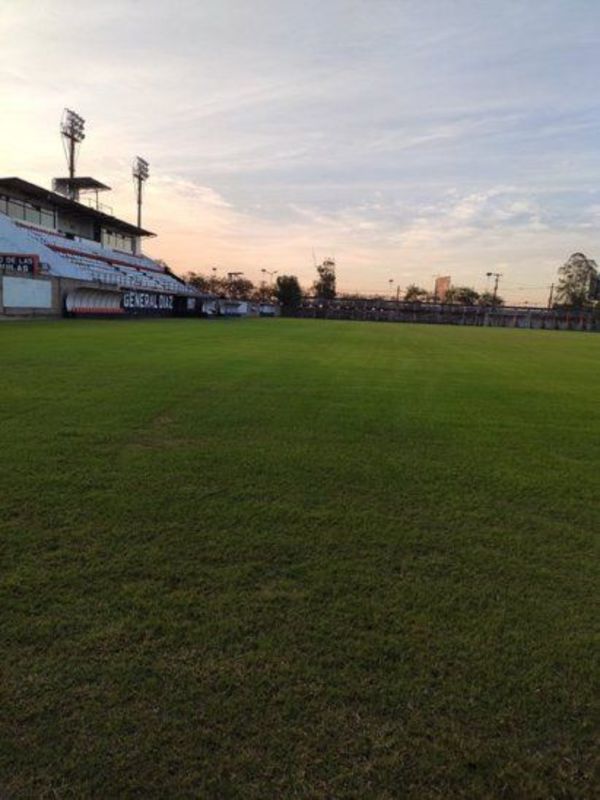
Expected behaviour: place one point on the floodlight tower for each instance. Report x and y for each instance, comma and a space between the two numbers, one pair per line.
141, 172
72, 130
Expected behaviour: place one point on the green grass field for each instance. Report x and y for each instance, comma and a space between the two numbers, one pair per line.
297, 559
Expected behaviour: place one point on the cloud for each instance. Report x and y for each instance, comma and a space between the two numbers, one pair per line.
466, 235
420, 138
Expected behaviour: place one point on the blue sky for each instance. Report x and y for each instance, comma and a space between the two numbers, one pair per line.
406, 139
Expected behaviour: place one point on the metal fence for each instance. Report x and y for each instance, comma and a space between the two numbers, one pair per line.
449, 314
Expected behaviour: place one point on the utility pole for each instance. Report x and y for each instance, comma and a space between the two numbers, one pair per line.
269, 272
496, 276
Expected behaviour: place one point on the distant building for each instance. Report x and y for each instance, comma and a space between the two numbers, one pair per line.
442, 284
227, 307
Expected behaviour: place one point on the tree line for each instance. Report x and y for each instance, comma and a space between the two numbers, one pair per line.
578, 286
285, 290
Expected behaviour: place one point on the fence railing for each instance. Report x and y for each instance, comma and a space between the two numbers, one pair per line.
449, 314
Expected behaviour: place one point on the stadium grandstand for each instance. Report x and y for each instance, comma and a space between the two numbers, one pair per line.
62, 257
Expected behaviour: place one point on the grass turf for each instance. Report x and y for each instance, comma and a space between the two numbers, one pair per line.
298, 559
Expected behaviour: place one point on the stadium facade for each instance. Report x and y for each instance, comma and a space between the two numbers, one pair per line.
61, 257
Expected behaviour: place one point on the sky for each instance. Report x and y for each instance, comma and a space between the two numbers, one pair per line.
404, 139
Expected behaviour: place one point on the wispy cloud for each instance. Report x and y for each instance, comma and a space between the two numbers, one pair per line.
406, 138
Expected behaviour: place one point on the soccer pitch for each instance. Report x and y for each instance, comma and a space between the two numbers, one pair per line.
296, 559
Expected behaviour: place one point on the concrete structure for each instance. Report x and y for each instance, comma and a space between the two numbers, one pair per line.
59, 257
226, 307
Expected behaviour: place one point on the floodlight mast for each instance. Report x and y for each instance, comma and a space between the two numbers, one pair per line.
72, 130
141, 172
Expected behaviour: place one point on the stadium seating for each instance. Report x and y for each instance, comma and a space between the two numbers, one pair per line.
100, 264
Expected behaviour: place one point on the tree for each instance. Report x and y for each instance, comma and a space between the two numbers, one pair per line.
200, 282
288, 292
415, 294
577, 281
235, 287
488, 299
207, 283
263, 293
462, 295
324, 286
238, 288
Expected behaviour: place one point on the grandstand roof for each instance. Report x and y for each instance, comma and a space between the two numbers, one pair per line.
81, 183
60, 201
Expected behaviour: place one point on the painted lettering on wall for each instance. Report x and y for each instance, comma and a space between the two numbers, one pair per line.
19, 262
146, 301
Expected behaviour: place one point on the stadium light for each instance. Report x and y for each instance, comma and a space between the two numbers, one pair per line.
141, 169
72, 128
141, 173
